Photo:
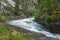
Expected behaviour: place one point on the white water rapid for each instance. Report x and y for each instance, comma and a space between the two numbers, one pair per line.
30, 25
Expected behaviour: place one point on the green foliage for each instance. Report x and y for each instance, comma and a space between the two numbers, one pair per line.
5, 34
50, 8
8, 8
17, 6
51, 19
1, 16
2, 28
49, 12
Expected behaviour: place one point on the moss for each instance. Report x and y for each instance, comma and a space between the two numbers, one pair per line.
2, 28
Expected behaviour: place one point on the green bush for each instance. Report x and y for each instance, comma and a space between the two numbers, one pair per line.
51, 19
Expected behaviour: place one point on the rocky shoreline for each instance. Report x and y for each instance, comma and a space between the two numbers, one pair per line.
52, 27
37, 36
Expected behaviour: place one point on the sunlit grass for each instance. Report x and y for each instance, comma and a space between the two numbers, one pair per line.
5, 34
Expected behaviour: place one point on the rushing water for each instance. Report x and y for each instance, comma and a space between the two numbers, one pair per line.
29, 24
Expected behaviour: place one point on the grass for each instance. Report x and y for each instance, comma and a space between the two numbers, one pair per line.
5, 34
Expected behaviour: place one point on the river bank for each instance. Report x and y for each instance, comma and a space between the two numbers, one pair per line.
19, 33
13, 34
53, 27
34, 35
8, 17
28, 26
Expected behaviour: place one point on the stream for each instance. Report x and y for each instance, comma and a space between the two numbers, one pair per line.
30, 25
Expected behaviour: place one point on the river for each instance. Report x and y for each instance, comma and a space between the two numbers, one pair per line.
30, 25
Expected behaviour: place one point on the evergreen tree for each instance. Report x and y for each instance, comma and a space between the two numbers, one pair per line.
49, 12
16, 7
